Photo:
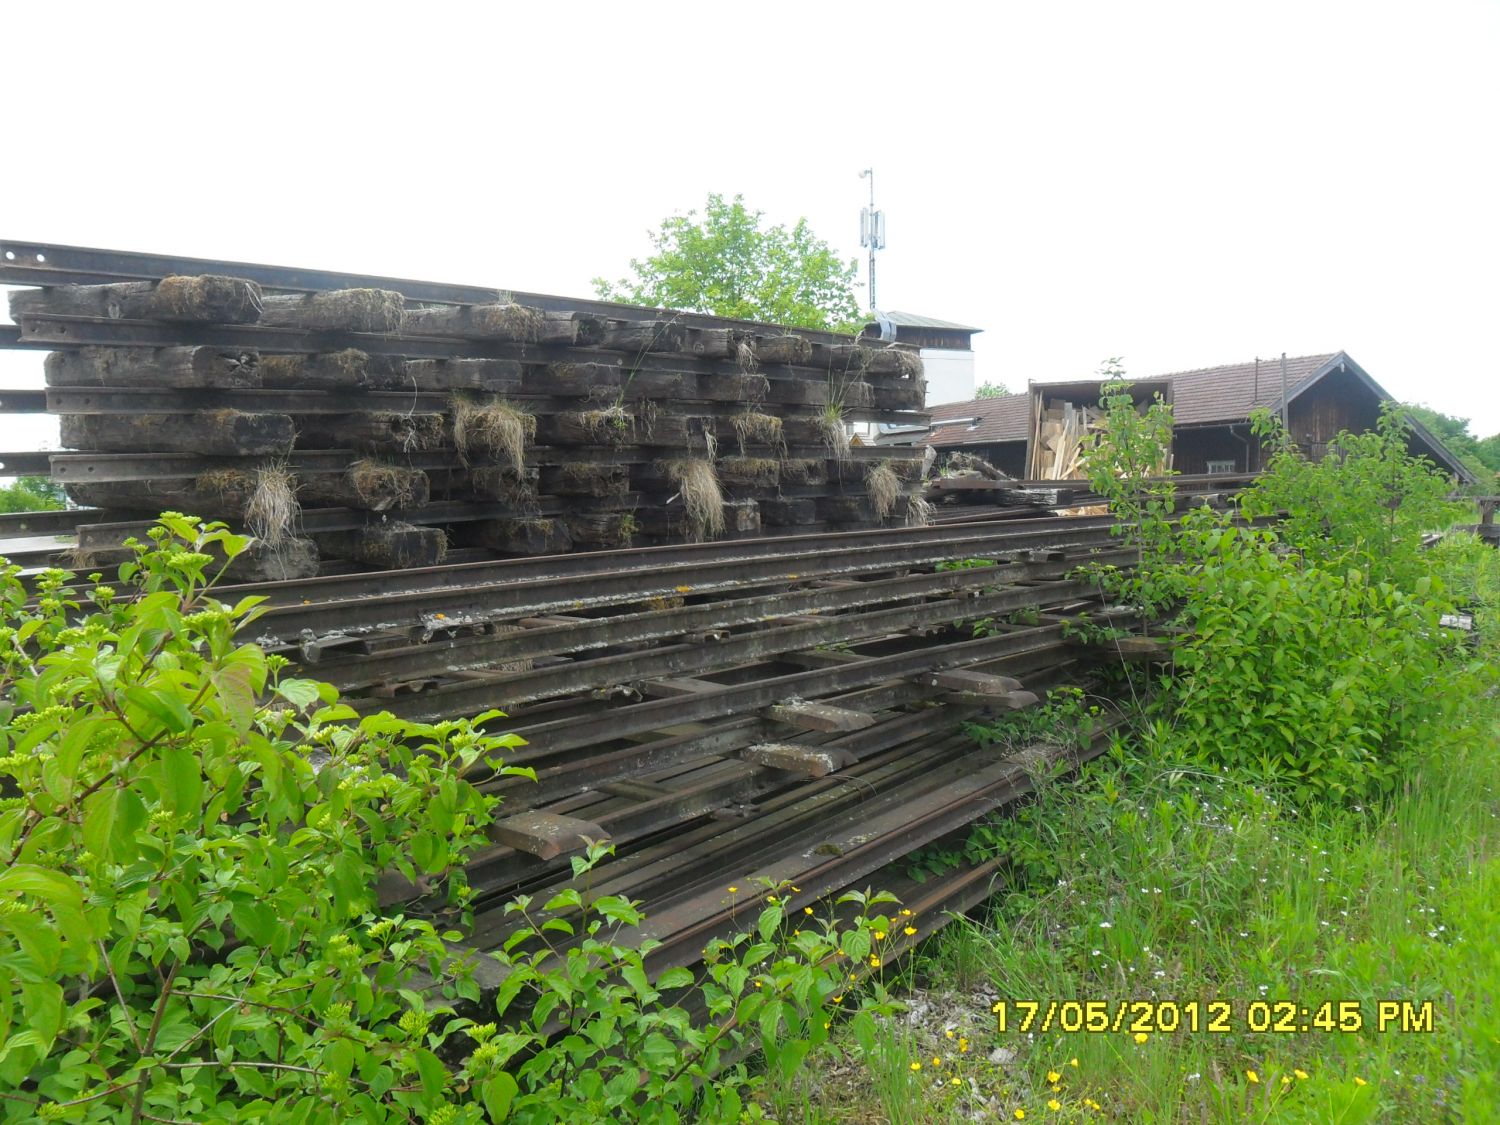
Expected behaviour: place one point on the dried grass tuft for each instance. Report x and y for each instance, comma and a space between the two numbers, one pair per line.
231, 489
495, 428
918, 511
350, 363
273, 509
381, 486
910, 364
883, 489
511, 321
702, 501
830, 426
744, 356
234, 301
614, 425
412, 432
766, 429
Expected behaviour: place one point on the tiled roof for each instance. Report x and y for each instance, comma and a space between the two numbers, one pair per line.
1231, 392
1003, 418
1208, 394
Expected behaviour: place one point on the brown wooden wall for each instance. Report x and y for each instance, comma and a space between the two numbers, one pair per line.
1339, 401
1193, 449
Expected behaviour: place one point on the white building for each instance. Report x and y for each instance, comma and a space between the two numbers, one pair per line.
947, 354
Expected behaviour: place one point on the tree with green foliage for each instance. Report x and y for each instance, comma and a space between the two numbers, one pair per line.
30, 494
991, 390
726, 262
1481, 456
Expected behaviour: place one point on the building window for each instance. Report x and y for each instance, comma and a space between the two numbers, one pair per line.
1217, 467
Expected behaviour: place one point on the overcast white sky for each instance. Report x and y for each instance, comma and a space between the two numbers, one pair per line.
1178, 184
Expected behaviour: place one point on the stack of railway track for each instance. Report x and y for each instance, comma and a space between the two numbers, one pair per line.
404, 414
778, 706
743, 713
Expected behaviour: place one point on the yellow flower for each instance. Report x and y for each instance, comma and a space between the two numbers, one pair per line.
825, 1025
916, 1065
732, 890
954, 1081
1250, 1074
807, 910
1020, 1115
879, 935
963, 1045
1072, 1062
910, 930
1054, 1105
1141, 1037
874, 961
838, 999
949, 1033
771, 898
906, 913
1053, 1076
1285, 1081
797, 890
1299, 1073
1358, 1081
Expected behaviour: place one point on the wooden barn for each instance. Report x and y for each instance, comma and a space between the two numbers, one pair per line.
1211, 407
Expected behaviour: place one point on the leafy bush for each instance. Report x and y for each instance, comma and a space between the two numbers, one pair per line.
190, 845
1324, 679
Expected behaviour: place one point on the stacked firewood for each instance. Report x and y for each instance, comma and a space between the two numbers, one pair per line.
541, 432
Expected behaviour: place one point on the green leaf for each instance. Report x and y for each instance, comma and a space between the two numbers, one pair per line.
42, 1010
770, 920
181, 780
164, 706
499, 1091
674, 978
433, 1073
338, 1057
110, 819
299, 693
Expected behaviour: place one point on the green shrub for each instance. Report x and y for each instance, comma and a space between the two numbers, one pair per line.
190, 843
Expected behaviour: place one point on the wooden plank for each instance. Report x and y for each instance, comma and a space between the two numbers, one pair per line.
972, 683
220, 432
545, 835
819, 716
206, 299
177, 368
804, 761
335, 310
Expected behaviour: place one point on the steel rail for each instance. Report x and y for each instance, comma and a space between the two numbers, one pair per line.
474, 651
45, 263
434, 610
59, 522
509, 689
549, 740
955, 538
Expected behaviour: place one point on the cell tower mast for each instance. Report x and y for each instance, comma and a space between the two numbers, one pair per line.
871, 231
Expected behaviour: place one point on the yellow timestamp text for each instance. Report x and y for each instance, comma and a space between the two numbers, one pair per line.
1166, 1017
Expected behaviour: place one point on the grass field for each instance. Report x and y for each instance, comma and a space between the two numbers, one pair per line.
1150, 883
